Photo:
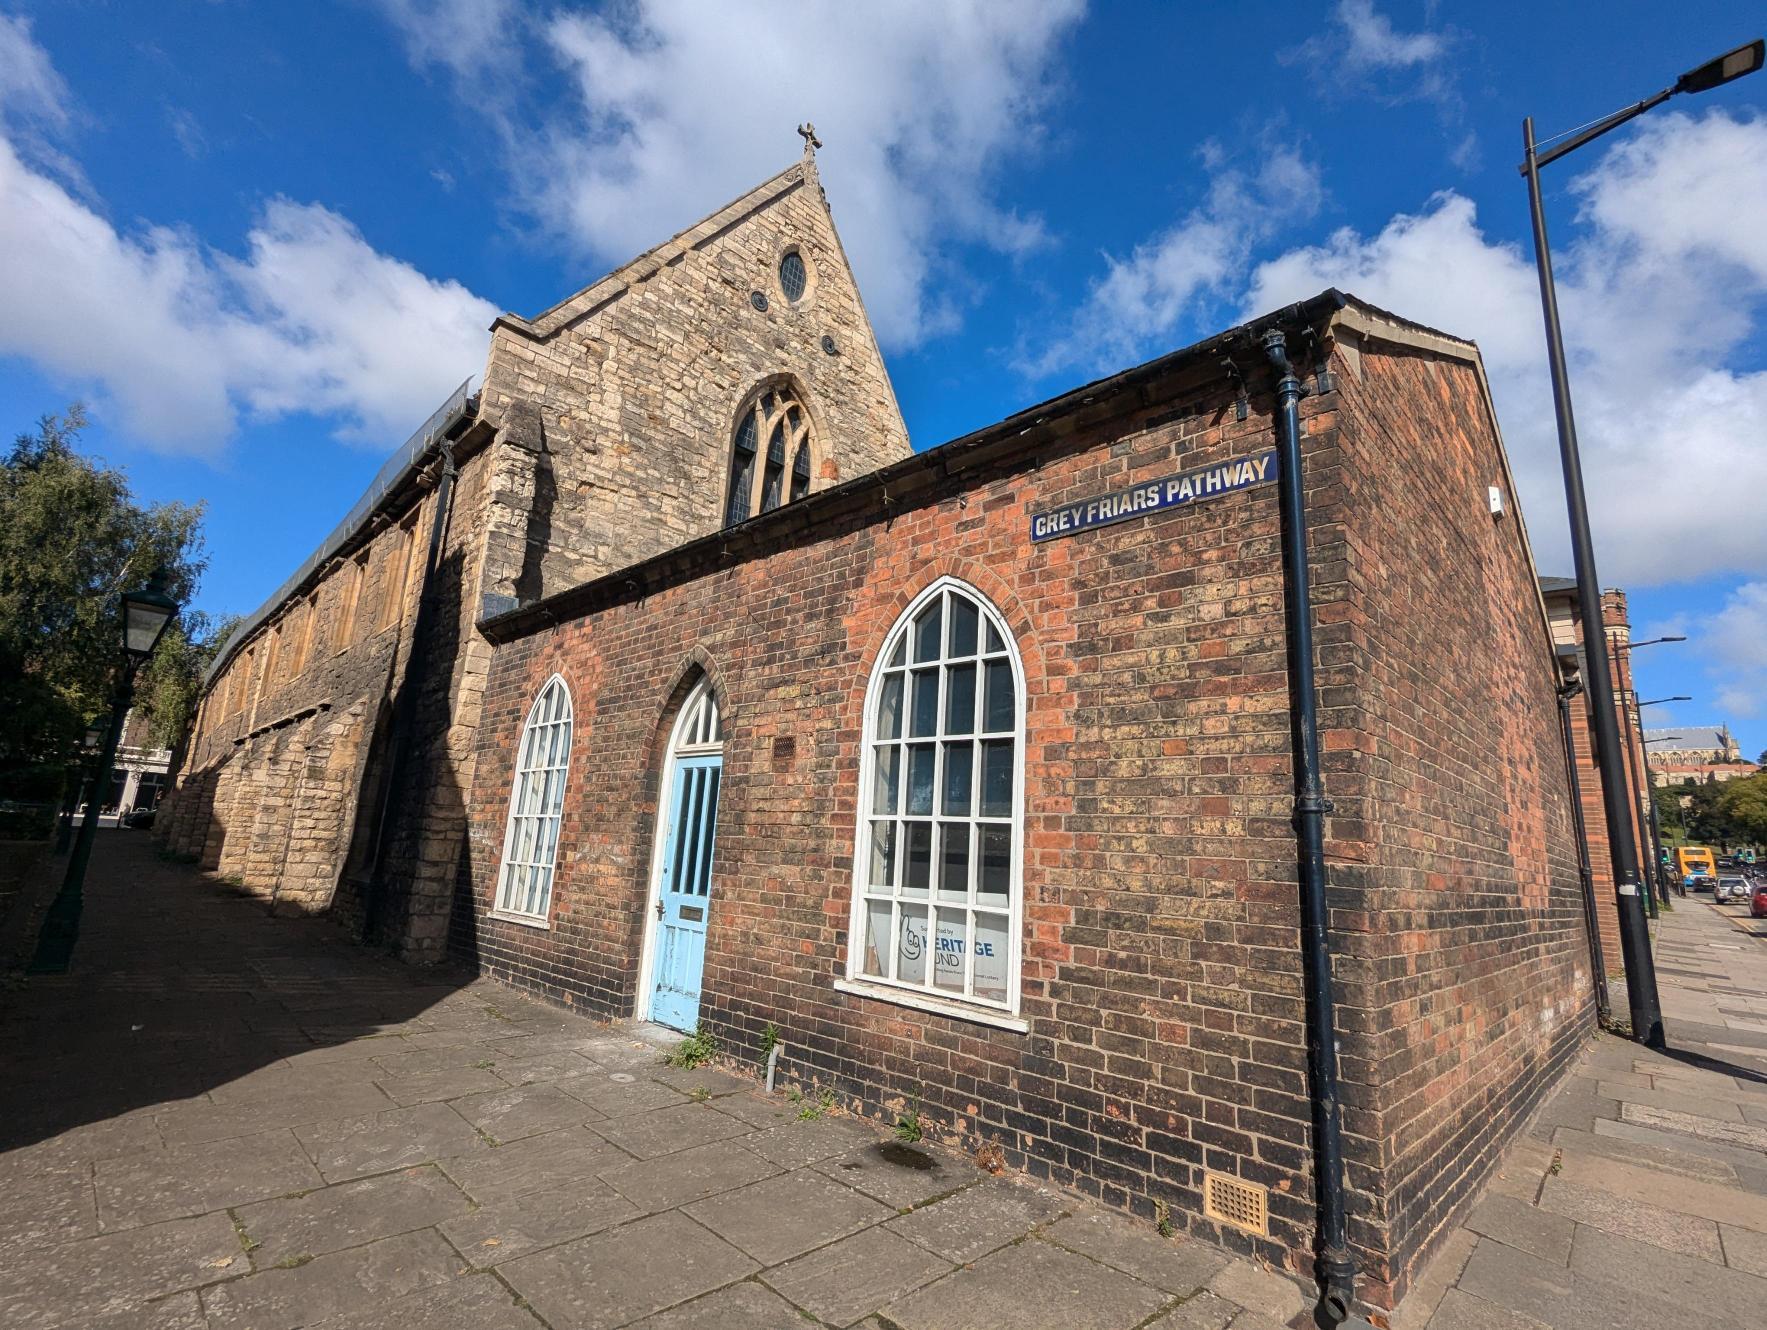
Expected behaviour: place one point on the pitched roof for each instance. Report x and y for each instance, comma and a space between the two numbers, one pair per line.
629, 274
1692, 738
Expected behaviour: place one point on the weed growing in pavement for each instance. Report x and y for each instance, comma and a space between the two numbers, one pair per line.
909, 1127
696, 1050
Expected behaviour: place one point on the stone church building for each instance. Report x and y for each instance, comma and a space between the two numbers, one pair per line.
661, 678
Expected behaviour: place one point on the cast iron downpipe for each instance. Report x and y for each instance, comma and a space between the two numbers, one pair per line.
1332, 1265
1591, 922
405, 703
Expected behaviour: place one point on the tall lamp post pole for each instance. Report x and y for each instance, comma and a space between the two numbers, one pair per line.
1641, 978
1650, 789
146, 616
1637, 768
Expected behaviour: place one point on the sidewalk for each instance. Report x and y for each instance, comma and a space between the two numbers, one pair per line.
1640, 1196
220, 1120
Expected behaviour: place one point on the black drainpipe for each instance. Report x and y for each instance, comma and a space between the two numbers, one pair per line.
405, 703
1332, 1266
1591, 922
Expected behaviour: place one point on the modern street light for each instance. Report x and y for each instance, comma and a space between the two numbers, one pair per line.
1641, 977
1650, 789
146, 616
1650, 840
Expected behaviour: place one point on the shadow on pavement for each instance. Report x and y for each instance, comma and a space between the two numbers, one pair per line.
181, 985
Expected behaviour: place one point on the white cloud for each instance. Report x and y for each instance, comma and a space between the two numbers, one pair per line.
1661, 288
1375, 44
682, 106
1734, 647
29, 85
1360, 51
1149, 295
177, 340
464, 36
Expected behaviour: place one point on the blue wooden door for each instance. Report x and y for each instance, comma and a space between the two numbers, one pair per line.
685, 895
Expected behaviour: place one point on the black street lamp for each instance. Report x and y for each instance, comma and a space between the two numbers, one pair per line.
1641, 976
146, 616
1650, 838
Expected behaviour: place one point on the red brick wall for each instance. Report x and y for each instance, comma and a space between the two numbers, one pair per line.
1162, 981
1477, 988
1161, 974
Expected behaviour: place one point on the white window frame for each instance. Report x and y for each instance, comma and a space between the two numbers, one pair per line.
923, 997
698, 731
541, 918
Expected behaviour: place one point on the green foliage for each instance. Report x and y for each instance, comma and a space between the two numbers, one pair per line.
696, 1050
171, 683
1742, 807
769, 1040
72, 538
909, 1127
1162, 1219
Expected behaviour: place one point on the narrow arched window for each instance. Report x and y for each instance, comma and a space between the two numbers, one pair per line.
770, 455
937, 911
536, 806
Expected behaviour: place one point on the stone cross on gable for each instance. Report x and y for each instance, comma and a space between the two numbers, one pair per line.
808, 132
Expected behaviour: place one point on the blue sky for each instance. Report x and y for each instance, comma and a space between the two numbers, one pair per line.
263, 240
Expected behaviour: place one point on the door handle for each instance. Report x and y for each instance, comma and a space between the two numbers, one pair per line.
659, 909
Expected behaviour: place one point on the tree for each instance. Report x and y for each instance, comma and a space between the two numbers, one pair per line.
72, 538
1743, 806
1668, 799
171, 684
1705, 821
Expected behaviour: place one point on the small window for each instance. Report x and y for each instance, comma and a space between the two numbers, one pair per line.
771, 455
793, 276
536, 806
937, 899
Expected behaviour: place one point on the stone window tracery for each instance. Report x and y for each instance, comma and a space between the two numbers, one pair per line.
771, 455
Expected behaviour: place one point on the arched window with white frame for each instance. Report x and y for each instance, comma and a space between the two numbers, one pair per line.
937, 896
536, 807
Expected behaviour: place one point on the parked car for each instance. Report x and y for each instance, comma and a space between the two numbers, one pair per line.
1731, 887
1758, 902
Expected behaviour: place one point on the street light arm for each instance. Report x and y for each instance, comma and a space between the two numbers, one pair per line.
1596, 130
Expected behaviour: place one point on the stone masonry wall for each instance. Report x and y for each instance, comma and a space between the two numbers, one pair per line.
637, 382
1474, 990
612, 419
275, 759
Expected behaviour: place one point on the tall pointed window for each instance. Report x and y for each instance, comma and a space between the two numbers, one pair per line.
770, 456
536, 807
937, 908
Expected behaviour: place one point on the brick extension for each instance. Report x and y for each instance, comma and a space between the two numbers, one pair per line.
1161, 974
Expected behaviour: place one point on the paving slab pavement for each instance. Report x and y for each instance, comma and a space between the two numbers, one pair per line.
221, 1120
1639, 1195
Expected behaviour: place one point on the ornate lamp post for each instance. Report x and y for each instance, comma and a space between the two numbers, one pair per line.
146, 616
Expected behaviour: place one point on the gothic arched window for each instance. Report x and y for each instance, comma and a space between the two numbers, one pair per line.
770, 456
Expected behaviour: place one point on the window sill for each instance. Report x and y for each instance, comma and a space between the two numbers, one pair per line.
525, 920
901, 997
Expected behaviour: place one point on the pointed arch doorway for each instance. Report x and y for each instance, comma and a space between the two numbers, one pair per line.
681, 868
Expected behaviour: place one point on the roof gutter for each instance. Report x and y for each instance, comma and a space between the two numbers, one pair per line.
409, 459
891, 486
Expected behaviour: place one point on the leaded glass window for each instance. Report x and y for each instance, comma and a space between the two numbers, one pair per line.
937, 896
536, 806
793, 276
763, 478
